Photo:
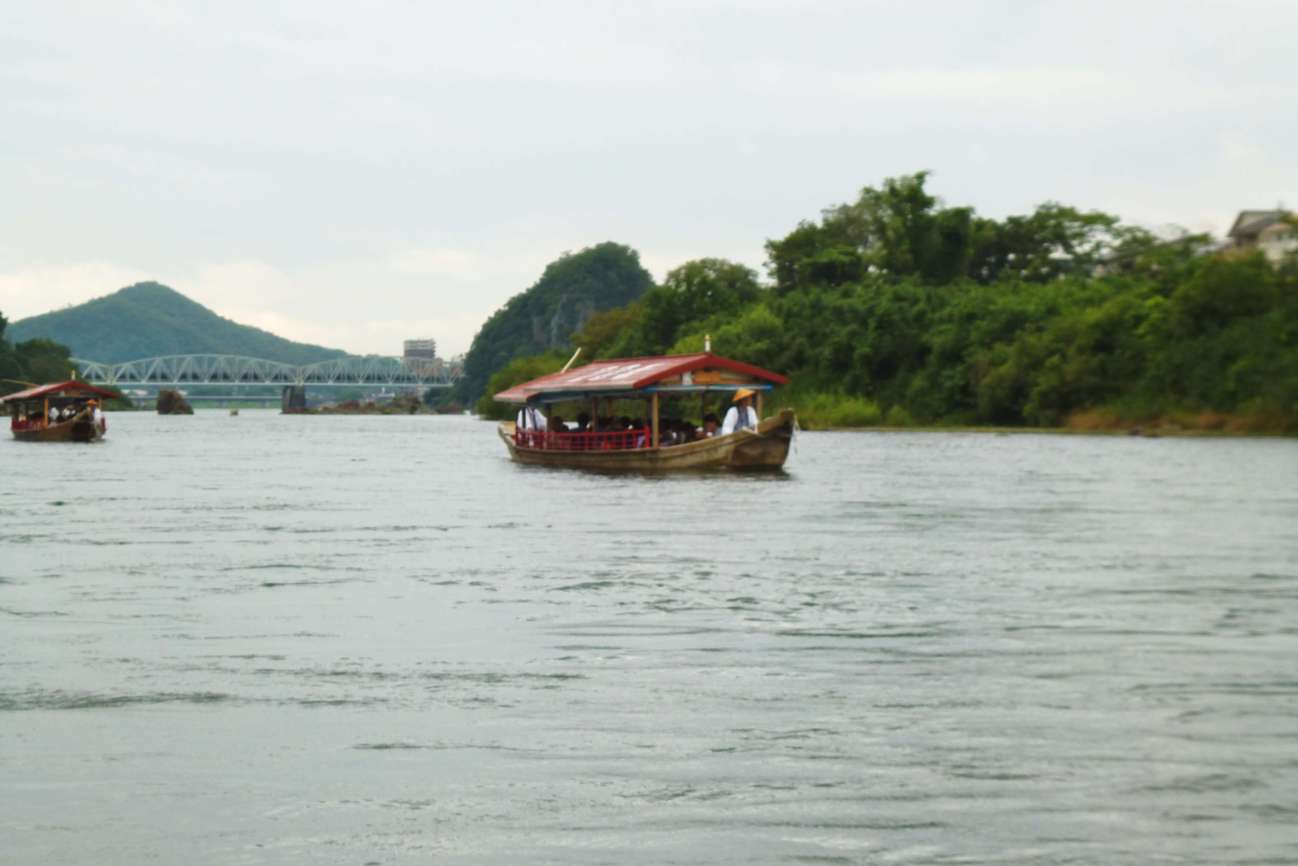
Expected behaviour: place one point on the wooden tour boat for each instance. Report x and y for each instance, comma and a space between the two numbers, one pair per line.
645, 449
62, 412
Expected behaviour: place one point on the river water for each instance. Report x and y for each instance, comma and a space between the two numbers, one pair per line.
374, 640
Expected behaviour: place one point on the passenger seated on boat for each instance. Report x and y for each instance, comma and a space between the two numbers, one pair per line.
54, 414
583, 422
710, 425
530, 418
557, 426
529, 427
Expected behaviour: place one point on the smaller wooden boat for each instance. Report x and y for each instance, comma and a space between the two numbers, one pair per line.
760, 444
62, 412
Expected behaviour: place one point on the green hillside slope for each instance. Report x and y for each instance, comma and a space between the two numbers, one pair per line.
148, 320
569, 292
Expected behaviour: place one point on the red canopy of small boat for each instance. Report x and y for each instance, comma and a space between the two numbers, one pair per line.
71, 386
631, 374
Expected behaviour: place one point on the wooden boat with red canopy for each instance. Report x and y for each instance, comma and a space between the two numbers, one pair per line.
62, 412
648, 447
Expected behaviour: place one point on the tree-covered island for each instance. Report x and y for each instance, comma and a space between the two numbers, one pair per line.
897, 310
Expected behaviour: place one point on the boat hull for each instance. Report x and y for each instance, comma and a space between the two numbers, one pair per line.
79, 429
765, 448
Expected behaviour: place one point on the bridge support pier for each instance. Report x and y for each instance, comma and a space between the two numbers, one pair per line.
293, 399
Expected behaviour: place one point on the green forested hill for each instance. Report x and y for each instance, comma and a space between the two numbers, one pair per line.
569, 292
147, 320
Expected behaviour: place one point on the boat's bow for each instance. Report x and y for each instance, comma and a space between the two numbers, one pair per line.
767, 447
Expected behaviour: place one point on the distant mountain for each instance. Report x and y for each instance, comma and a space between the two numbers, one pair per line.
149, 319
570, 291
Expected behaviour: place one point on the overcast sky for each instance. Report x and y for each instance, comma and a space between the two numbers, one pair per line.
353, 174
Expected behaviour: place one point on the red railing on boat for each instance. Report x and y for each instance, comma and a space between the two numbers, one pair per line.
617, 440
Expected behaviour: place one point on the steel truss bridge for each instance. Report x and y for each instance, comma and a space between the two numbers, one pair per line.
369, 371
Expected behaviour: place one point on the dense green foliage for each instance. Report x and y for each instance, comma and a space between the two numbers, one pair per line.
31, 362
149, 320
544, 317
516, 371
896, 310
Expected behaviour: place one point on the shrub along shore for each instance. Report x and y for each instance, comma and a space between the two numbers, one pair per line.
841, 412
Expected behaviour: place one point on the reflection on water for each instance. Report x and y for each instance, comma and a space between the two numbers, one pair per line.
266, 639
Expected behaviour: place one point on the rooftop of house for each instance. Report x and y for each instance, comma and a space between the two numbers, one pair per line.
1250, 223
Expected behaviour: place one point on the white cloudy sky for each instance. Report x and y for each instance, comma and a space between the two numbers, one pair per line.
357, 173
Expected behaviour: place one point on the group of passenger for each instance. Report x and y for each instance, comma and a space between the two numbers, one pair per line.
58, 414
534, 429
63, 413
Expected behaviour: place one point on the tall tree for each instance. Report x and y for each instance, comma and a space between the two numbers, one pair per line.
9, 367
694, 291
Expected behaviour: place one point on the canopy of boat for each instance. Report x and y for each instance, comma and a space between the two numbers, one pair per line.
642, 376
69, 388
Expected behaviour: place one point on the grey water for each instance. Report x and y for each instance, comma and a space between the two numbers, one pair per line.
269, 639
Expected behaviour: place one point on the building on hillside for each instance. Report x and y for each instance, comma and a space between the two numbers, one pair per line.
425, 349
420, 355
1273, 232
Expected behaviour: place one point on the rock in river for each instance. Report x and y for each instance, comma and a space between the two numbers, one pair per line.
173, 403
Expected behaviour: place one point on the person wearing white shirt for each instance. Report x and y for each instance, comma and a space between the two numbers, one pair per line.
530, 418
742, 415
529, 426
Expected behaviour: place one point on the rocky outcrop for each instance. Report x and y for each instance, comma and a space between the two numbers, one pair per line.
173, 403
405, 404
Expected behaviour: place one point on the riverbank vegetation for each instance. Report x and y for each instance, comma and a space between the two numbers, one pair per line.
30, 362
896, 310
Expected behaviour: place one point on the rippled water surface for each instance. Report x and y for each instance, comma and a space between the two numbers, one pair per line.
288, 640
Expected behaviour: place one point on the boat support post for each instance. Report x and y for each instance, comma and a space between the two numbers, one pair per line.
654, 401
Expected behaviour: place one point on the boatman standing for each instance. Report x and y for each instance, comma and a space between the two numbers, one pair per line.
742, 415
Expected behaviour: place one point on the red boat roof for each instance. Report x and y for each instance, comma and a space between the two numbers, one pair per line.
44, 390
630, 374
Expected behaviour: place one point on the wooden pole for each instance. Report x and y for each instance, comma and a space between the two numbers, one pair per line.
654, 400
759, 405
